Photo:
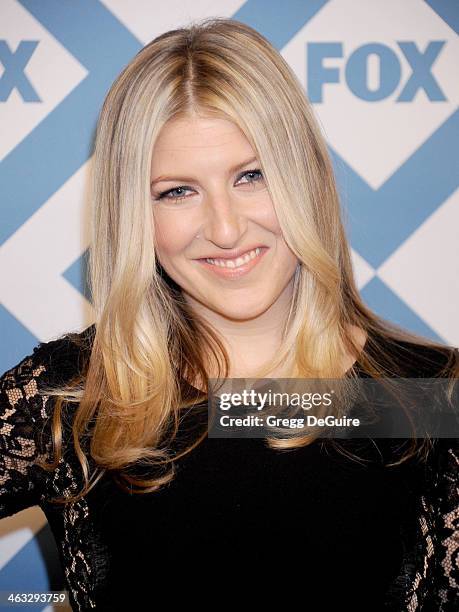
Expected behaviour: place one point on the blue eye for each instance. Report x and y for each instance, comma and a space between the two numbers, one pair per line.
256, 171
166, 195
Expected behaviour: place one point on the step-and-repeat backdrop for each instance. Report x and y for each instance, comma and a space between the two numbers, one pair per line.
382, 78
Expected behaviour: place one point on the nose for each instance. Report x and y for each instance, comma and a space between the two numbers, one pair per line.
223, 223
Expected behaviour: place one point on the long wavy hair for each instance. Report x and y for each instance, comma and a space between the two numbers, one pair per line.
129, 393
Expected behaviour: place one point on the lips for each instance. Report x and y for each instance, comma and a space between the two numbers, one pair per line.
236, 272
233, 253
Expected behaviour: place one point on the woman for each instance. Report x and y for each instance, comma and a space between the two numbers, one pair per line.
218, 250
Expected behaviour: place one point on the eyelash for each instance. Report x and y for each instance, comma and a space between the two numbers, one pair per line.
162, 196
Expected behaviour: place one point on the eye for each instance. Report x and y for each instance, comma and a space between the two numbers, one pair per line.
168, 195
255, 172
165, 194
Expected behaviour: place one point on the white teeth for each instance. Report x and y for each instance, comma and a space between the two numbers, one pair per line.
235, 263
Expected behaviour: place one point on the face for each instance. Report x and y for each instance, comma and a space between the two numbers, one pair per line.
210, 200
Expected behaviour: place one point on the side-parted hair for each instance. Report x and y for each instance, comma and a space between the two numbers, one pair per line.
147, 339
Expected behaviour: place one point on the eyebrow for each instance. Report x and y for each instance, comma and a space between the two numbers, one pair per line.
191, 179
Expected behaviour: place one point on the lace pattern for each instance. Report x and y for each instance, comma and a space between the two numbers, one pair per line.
428, 579
23, 416
445, 504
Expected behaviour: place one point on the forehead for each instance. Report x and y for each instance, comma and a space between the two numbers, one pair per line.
185, 138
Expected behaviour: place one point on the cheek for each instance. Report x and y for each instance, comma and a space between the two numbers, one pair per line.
270, 221
268, 217
172, 235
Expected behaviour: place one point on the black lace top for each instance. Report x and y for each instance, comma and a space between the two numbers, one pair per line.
241, 522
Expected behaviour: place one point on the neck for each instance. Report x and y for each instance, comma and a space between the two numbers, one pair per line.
250, 342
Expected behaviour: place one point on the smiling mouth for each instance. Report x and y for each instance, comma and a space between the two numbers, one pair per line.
236, 261
233, 268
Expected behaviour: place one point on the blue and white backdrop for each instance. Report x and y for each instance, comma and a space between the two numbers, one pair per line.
383, 79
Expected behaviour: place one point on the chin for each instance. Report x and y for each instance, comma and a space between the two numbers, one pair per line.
242, 313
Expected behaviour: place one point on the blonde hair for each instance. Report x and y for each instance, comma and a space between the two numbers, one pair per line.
146, 337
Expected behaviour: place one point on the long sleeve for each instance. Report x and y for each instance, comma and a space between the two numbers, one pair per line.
432, 568
22, 416
447, 518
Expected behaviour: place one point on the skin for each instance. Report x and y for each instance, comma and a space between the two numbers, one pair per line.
225, 209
